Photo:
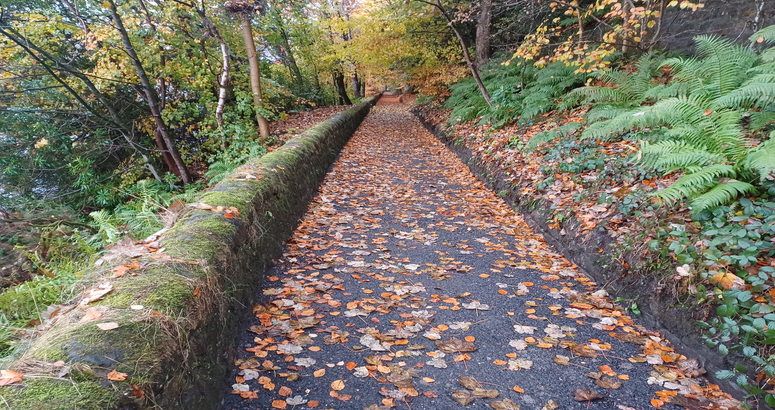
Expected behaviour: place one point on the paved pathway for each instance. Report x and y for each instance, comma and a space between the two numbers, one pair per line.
409, 284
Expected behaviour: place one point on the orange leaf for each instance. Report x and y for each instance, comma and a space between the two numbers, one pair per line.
388, 402
503, 292
314, 348
9, 377
351, 365
319, 373
470, 339
657, 403
337, 385
285, 391
313, 403
499, 362
430, 394
519, 389
116, 376
279, 404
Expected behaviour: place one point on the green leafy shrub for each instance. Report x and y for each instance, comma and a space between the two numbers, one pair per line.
710, 121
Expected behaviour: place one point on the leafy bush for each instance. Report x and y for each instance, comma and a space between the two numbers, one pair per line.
710, 121
518, 91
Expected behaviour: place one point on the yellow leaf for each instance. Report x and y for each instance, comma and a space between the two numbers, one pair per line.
337, 385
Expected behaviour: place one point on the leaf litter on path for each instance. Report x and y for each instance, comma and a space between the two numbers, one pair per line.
407, 278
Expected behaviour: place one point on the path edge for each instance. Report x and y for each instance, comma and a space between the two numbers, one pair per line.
658, 311
178, 313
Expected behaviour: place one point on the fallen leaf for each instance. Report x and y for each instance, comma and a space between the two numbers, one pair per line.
469, 383
562, 360
285, 391
506, 404
608, 383
279, 404
9, 377
518, 389
455, 345
585, 395
116, 376
107, 326
91, 314
337, 385
137, 392
461, 396
296, 401
319, 373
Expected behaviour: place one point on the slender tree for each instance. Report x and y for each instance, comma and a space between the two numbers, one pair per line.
149, 92
245, 10
464, 46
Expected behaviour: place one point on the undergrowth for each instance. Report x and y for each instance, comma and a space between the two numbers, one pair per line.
689, 140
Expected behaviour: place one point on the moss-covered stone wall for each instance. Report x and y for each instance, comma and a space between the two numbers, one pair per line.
178, 313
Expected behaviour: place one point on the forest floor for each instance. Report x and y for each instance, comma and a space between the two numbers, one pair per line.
409, 284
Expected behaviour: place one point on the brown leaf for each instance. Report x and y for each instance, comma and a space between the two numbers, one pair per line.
137, 392
461, 396
506, 404
116, 376
279, 404
285, 391
585, 395
337, 385
454, 345
319, 373
484, 393
430, 394
608, 383
562, 360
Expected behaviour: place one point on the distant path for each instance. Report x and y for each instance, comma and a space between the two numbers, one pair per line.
404, 245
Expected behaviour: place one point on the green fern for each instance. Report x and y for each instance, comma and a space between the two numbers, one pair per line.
767, 34
762, 159
218, 171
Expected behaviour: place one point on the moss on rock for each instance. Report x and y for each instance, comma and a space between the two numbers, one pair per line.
53, 394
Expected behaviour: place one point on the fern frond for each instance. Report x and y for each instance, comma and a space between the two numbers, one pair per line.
218, 171
673, 155
768, 55
754, 94
762, 160
695, 184
674, 89
761, 119
604, 112
767, 33
723, 193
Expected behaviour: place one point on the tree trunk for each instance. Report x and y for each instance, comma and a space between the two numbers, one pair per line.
223, 81
483, 34
356, 86
255, 75
341, 89
179, 167
288, 56
466, 55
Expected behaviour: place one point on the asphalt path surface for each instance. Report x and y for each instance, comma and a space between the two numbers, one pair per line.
407, 274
